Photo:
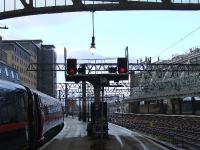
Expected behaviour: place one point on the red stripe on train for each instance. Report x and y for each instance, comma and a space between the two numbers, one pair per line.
12, 126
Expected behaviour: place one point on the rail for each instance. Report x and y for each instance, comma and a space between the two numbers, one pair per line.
179, 130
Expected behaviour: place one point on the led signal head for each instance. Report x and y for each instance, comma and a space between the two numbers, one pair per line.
71, 66
122, 65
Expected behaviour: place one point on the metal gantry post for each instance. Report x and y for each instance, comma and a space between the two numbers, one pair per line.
59, 95
88, 111
193, 105
97, 91
66, 95
80, 112
84, 101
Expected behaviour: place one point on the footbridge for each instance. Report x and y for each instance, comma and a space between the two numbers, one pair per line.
17, 8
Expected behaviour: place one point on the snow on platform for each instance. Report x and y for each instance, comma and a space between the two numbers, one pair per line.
74, 137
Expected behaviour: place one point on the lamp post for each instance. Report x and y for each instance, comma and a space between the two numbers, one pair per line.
92, 47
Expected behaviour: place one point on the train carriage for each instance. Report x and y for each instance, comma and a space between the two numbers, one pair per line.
27, 117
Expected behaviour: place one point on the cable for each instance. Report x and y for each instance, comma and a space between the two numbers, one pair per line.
2, 24
175, 43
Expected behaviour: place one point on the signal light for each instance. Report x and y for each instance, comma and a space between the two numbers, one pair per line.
71, 66
71, 71
122, 65
122, 70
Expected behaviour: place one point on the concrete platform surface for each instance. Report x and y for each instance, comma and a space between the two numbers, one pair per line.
74, 137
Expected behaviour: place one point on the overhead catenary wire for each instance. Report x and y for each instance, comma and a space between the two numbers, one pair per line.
178, 41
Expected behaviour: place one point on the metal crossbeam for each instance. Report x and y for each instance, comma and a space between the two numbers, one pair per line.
115, 89
48, 67
37, 7
99, 68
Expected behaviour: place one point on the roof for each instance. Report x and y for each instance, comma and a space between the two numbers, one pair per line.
36, 40
18, 41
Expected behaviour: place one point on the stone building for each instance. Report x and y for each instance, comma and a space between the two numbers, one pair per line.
19, 54
47, 79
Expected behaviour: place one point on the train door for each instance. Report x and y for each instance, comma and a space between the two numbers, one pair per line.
39, 122
33, 120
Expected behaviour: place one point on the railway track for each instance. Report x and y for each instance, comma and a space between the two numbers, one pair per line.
181, 131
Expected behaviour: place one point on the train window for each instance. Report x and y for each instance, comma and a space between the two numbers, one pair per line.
4, 116
21, 104
12, 113
17, 76
3, 111
6, 70
13, 106
12, 74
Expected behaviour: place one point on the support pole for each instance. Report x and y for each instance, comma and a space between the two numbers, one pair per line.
162, 111
97, 91
180, 102
84, 101
80, 113
66, 94
173, 106
193, 105
59, 95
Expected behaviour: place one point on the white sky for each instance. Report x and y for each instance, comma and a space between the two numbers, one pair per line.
146, 33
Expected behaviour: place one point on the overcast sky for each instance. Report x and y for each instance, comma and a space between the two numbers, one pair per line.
146, 33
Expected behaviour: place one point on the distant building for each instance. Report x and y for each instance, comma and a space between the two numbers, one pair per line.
20, 53
47, 79
192, 57
3, 56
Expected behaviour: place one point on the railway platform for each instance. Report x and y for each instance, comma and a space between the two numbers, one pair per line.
74, 137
